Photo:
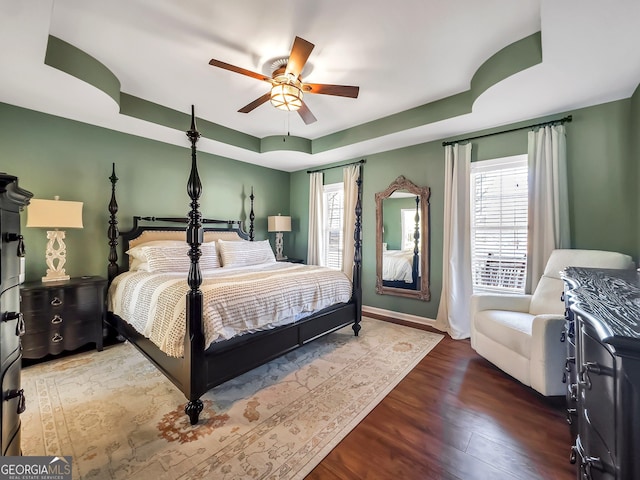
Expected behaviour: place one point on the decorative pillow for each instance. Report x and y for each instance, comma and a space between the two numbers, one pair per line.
243, 253
163, 258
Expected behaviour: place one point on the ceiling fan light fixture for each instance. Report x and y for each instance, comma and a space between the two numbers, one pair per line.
286, 96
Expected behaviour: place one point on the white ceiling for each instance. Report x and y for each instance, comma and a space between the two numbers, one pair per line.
401, 54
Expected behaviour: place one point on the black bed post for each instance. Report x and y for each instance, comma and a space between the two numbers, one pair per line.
252, 216
357, 258
194, 338
112, 232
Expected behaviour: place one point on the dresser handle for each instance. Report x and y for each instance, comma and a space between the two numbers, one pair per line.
574, 455
56, 302
588, 464
56, 319
20, 326
573, 392
57, 338
11, 394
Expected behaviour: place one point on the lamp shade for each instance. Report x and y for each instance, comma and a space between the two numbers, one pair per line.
54, 214
279, 223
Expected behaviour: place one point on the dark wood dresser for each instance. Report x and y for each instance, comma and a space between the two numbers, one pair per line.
62, 315
12, 200
603, 371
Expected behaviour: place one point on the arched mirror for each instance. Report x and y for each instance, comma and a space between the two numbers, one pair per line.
402, 240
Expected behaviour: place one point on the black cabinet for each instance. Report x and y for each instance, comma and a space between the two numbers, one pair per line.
12, 200
62, 315
604, 386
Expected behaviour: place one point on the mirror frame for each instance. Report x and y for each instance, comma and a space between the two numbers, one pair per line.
402, 183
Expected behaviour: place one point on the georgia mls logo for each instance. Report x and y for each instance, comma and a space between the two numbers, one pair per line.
35, 468
59, 466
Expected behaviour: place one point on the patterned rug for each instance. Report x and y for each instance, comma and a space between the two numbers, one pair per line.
119, 418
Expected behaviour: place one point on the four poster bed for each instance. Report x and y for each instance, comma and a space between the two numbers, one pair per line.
186, 345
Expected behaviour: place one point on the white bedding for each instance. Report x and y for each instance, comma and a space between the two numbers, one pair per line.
236, 300
397, 265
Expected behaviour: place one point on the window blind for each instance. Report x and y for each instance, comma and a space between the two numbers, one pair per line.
499, 210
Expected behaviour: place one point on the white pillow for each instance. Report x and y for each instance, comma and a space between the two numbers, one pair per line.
243, 253
166, 258
137, 252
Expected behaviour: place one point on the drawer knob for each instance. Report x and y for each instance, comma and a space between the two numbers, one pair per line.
56, 302
57, 338
11, 394
56, 319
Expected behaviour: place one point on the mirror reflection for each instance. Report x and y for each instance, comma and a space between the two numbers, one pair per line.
402, 240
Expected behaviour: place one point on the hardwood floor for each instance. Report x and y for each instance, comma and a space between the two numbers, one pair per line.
456, 416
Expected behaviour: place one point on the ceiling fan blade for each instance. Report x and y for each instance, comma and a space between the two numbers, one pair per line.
242, 71
256, 103
338, 90
299, 54
306, 115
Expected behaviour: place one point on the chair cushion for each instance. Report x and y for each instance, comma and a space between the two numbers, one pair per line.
511, 329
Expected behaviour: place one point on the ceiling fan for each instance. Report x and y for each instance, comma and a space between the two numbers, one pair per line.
287, 88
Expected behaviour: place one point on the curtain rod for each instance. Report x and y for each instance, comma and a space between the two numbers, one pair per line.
337, 166
543, 124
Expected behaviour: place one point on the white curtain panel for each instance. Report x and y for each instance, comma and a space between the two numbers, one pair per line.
350, 176
457, 287
548, 198
316, 217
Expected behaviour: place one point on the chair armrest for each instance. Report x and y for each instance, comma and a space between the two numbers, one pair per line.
548, 354
486, 301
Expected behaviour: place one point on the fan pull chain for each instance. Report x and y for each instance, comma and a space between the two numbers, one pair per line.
288, 126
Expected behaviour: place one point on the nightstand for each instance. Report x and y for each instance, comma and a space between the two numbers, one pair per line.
292, 260
62, 316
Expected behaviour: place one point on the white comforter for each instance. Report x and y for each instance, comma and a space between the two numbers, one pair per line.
236, 300
397, 265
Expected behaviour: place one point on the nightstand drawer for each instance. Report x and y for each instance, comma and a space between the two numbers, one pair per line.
55, 299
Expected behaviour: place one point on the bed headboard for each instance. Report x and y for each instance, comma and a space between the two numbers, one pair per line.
146, 229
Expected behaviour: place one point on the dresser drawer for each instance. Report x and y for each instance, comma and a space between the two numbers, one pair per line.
12, 405
9, 258
10, 323
597, 377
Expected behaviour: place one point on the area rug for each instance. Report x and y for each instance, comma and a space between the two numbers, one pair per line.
119, 418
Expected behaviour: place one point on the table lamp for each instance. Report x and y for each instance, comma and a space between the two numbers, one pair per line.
279, 223
55, 214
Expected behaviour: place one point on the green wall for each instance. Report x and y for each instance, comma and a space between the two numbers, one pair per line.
603, 181
54, 156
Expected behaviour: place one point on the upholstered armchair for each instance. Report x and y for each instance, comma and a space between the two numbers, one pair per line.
520, 334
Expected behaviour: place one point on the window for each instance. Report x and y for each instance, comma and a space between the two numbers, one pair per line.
409, 228
333, 208
499, 220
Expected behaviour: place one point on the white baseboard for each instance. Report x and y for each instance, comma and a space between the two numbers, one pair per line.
399, 315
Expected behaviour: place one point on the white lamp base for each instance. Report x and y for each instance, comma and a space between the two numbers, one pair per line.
279, 245
56, 251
